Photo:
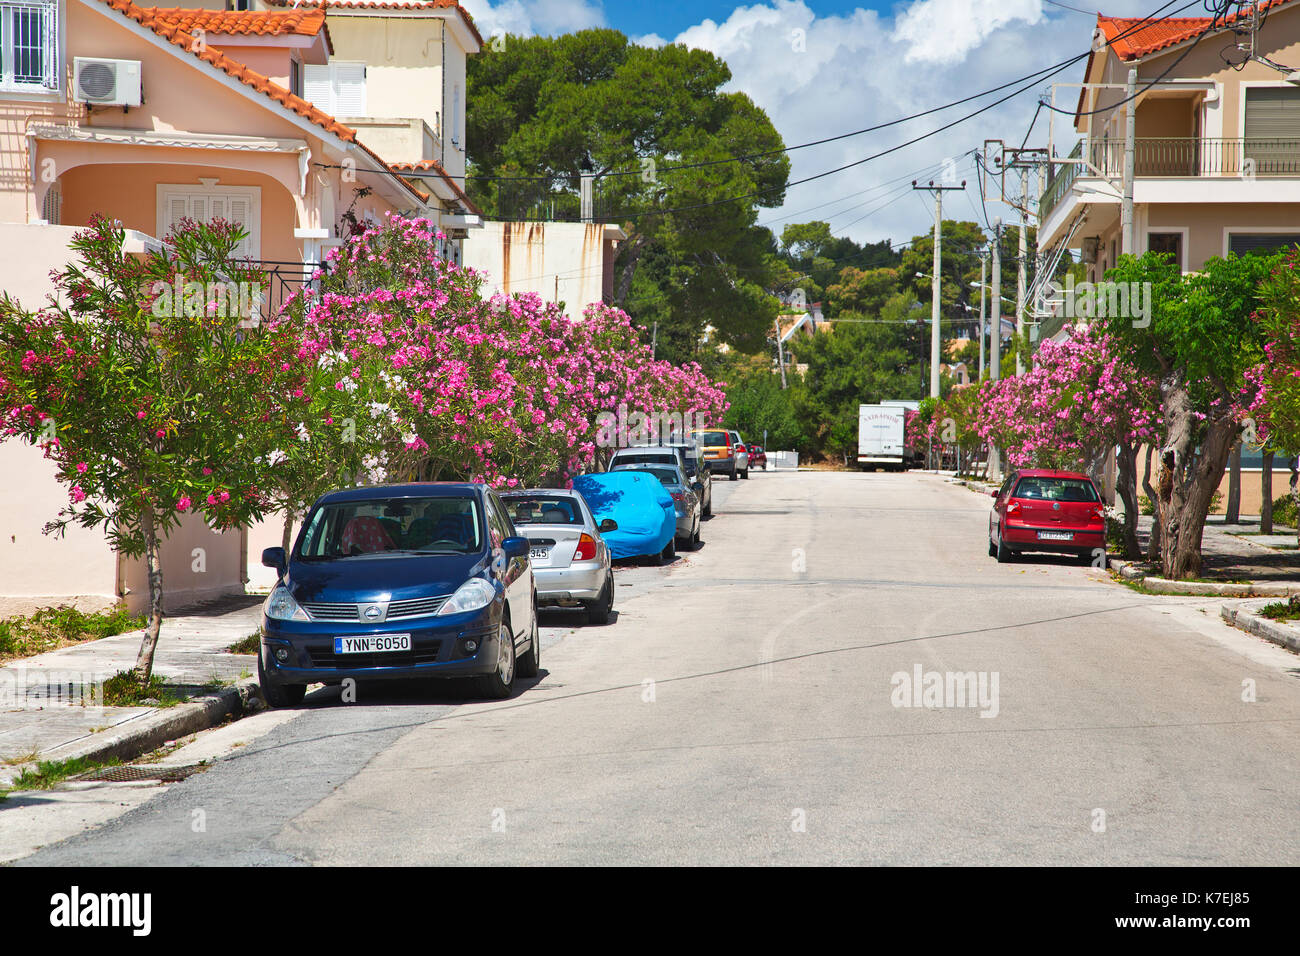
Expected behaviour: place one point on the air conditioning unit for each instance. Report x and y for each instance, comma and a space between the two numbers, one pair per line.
106, 82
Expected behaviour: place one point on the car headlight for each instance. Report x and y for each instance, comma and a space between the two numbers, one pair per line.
470, 596
281, 606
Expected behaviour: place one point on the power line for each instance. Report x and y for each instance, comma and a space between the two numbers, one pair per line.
840, 136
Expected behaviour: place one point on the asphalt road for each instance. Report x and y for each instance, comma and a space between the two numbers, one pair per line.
744, 708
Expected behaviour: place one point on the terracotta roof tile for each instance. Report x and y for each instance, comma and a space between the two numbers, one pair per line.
388, 5
151, 19
1151, 36
308, 21
430, 165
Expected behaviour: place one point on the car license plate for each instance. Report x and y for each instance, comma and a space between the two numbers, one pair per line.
372, 644
539, 554
1055, 536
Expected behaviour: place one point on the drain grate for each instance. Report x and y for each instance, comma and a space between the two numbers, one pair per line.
146, 772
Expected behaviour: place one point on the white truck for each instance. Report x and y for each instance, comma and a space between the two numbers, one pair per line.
880, 436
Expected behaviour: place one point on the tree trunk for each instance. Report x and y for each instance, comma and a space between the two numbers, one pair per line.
1233, 511
144, 660
632, 249
286, 537
1189, 477
1266, 495
1295, 495
1153, 545
1126, 487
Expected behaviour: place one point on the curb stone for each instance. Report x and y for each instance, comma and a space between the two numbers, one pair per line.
137, 737
1247, 620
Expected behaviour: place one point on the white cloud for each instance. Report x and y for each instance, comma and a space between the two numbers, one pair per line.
819, 76
652, 40
944, 31
531, 17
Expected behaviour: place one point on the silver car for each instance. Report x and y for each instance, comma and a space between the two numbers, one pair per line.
571, 562
686, 504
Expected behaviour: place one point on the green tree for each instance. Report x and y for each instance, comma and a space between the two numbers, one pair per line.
152, 394
1198, 341
544, 105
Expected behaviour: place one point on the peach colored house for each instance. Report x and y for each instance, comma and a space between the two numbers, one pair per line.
149, 115
1216, 151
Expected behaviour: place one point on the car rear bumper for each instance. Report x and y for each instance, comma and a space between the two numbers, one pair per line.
723, 466
579, 582
1025, 538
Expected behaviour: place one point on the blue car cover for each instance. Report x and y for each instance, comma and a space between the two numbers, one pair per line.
640, 506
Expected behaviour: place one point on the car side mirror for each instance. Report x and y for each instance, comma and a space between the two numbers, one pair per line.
609, 524
515, 547
275, 558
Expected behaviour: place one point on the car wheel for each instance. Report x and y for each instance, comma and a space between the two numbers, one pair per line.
279, 695
531, 662
734, 476
501, 682
745, 474
669, 552
993, 548
708, 509
1004, 554
598, 610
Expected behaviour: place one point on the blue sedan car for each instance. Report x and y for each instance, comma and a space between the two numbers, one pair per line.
422, 580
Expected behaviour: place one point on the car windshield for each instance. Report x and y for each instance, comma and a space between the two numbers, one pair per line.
542, 509
1055, 489
714, 438
643, 457
376, 526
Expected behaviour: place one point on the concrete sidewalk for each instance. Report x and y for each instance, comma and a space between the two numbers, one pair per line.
43, 704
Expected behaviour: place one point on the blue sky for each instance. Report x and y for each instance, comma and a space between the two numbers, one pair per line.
824, 67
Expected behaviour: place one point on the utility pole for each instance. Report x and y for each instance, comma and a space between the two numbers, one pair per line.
935, 287
780, 352
984, 262
995, 371
654, 341
1130, 132
1020, 270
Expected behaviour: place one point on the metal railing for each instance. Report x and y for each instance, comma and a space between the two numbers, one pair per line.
1189, 157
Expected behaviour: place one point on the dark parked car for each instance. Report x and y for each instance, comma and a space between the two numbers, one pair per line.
400, 581
1042, 510
688, 456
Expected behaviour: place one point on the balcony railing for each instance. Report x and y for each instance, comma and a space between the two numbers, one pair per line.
1189, 157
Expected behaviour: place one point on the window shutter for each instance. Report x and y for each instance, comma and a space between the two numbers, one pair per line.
241, 214
316, 87
1272, 128
349, 89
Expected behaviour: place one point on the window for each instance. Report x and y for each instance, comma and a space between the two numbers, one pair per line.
337, 88
53, 204
1273, 129
239, 204
295, 77
1168, 243
1244, 243
29, 49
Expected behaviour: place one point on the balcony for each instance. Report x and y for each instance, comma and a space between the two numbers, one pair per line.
1177, 158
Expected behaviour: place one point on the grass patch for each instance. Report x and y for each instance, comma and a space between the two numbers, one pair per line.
1288, 610
50, 772
53, 627
249, 645
123, 689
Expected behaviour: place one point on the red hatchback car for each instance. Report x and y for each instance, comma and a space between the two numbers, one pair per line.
1042, 510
